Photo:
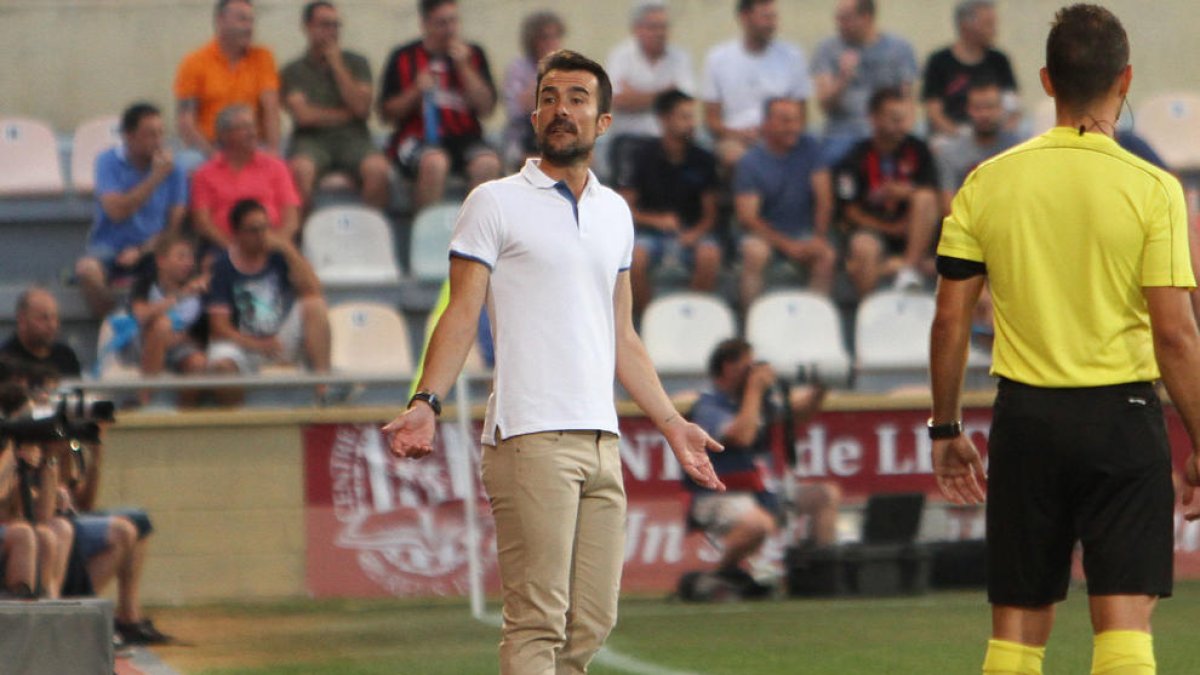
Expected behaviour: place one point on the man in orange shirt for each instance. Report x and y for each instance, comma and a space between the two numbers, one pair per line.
226, 71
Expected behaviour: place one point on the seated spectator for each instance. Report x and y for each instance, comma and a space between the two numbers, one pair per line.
241, 171
434, 91
140, 192
541, 34
851, 66
112, 545
264, 303
18, 541
741, 75
228, 70
643, 67
949, 72
738, 410
168, 306
673, 197
887, 189
35, 342
959, 156
327, 91
784, 200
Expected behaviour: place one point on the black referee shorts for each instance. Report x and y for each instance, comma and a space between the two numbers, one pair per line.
1090, 465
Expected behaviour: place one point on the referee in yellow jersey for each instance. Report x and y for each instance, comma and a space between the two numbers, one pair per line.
1085, 248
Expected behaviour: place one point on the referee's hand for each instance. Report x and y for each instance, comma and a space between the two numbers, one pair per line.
959, 470
1191, 480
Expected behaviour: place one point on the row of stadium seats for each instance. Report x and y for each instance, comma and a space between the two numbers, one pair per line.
352, 245
800, 334
366, 337
30, 159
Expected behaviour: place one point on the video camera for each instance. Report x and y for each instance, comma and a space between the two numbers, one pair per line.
72, 418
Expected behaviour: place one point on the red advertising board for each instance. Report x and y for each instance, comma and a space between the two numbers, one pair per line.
377, 527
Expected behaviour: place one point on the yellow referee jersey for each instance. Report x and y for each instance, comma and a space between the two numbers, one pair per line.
1071, 227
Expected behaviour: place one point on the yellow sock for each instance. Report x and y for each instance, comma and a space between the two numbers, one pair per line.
1123, 652
1012, 658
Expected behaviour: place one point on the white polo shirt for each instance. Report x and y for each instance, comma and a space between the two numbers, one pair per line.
554, 267
628, 66
742, 81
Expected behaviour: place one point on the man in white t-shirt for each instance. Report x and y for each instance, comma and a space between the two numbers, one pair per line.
549, 249
644, 66
741, 75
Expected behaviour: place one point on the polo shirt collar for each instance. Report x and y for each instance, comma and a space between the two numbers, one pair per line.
532, 172
1072, 134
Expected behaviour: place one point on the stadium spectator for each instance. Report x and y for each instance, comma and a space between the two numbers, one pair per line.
958, 156
887, 192
112, 545
1086, 249
328, 93
673, 197
738, 410
949, 72
783, 198
227, 70
848, 68
28, 471
541, 33
18, 540
264, 303
35, 342
644, 66
434, 91
744, 73
140, 192
168, 306
240, 170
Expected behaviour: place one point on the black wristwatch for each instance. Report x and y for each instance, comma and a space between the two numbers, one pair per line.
430, 398
941, 432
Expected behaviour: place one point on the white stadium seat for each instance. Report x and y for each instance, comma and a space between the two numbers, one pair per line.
798, 331
29, 164
350, 245
1170, 123
368, 337
429, 255
91, 138
892, 339
681, 330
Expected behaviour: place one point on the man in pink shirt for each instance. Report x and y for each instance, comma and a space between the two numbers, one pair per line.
240, 170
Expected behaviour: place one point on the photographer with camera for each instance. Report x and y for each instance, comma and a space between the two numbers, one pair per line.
745, 398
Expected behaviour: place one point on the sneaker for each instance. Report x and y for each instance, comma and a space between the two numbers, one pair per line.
908, 279
142, 633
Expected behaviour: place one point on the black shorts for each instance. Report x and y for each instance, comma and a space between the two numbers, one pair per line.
1089, 465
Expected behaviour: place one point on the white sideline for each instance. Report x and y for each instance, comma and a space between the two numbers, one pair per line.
610, 657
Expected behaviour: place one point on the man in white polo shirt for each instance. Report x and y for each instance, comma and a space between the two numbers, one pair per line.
550, 249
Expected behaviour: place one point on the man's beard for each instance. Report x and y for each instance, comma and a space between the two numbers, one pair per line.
563, 155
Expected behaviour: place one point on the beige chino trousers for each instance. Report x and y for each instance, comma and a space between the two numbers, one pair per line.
559, 504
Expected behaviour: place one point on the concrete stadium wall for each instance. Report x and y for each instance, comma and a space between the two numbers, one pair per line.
68, 60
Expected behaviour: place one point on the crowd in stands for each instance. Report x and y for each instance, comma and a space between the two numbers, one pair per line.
723, 173
55, 542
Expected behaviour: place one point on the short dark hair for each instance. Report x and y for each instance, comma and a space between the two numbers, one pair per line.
770, 103
744, 6
243, 208
565, 59
311, 8
882, 97
865, 7
169, 240
426, 7
222, 4
1086, 51
727, 351
984, 82
134, 114
666, 102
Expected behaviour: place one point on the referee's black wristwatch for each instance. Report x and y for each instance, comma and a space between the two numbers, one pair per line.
430, 398
941, 432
